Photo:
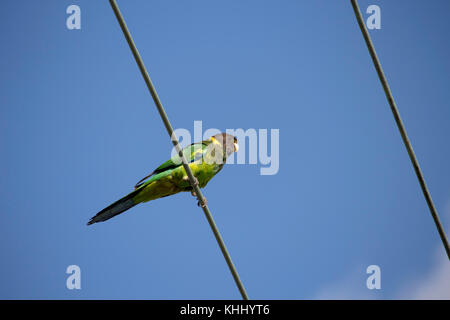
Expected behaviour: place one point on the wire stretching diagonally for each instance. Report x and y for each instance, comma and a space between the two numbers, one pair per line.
400, 126
176, 144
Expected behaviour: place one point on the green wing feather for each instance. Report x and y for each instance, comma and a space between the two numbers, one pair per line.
169, 178
191, 153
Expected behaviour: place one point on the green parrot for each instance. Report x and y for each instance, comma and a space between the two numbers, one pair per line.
205, 159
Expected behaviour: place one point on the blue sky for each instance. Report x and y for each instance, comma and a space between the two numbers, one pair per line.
78, 129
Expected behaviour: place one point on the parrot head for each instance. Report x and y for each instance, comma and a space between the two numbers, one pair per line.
227, 143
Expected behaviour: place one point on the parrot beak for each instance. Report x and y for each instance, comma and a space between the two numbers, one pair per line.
236, 147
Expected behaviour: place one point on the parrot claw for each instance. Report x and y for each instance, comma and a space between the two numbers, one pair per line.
201, 205
194, 194
195, 184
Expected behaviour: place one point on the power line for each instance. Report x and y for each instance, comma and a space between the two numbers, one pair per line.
400, 126
165, 119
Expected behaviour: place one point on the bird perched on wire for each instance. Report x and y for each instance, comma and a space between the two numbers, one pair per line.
205, 159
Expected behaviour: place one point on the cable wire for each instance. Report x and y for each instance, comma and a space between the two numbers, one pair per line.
400, 125
165, 119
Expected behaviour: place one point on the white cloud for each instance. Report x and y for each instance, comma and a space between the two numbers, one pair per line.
435, 284
350, 287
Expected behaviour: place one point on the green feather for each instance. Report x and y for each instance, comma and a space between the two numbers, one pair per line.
170, 177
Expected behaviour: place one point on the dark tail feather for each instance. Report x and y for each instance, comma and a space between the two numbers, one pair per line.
116, 208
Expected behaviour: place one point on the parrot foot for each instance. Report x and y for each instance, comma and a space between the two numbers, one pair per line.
195, 184
194, 194
202, 205
195, 181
